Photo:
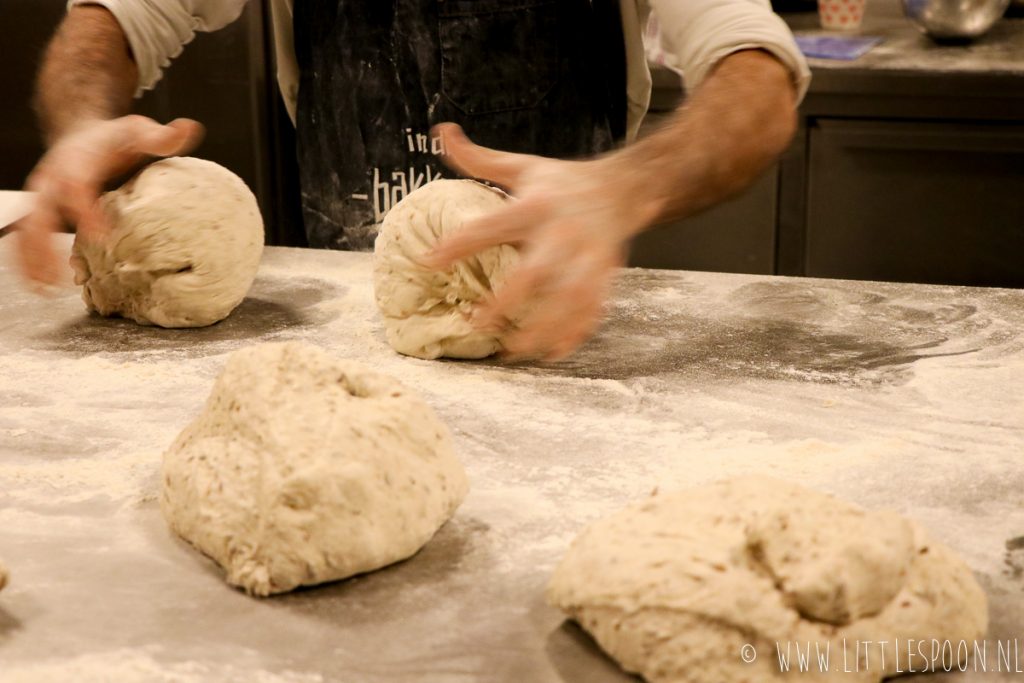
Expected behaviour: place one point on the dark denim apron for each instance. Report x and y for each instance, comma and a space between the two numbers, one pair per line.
538, 76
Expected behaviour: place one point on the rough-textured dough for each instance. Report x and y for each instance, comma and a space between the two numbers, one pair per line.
427, 312
673, 587
303, 468
184, 247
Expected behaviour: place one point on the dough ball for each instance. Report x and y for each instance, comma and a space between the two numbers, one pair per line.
185, 243
427, 312
303, 469
675, 586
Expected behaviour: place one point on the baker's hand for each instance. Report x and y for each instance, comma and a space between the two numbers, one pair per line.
71, 175
572, 224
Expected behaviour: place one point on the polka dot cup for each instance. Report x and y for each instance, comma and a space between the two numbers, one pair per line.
841, 15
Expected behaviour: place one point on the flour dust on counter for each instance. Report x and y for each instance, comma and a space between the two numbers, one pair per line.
183, 249
686, 384
303, 469
428, 313
810, 331
144, 665
711, 585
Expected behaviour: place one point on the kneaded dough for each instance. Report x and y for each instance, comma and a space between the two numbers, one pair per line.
303, 468
675, 586
427, 312
185, 243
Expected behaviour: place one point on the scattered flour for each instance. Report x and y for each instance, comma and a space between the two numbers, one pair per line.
546, 449
70, 436
141, 666
128, 478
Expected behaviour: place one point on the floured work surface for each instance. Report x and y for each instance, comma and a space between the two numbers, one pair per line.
888, 395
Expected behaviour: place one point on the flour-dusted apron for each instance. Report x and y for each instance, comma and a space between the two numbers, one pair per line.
538, 76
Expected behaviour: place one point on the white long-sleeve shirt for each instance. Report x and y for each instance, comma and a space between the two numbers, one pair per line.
695, 35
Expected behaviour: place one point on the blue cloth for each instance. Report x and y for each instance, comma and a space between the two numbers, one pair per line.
846, 48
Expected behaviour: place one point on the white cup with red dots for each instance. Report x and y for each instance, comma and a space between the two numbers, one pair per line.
841, 15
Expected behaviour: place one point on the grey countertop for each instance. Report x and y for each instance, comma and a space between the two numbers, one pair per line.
905, 49
890, 395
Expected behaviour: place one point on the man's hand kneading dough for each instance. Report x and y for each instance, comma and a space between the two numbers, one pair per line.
575, 219
89, 143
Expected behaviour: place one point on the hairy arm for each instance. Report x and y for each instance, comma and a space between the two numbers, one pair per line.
87, 74
720, 140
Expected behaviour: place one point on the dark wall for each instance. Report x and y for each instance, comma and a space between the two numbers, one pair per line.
27, 26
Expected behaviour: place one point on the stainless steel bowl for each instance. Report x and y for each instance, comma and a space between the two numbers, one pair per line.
954, 19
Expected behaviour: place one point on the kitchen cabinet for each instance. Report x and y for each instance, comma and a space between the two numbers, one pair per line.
737, 236
909, 162
915, 201
908, 165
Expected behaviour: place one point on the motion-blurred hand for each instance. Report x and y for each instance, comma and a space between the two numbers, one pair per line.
572, 223
71, 175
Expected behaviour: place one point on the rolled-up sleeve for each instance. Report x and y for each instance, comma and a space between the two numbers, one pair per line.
158, 30
697, 34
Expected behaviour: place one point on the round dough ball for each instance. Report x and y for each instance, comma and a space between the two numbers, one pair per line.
303, 468
676, 586
427, 312
185, 243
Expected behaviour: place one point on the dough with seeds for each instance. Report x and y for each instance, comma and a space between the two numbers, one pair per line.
185, 243
427, 312
304, 468
679, 587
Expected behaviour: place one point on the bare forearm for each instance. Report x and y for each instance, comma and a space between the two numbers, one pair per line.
87, 72
728, 132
